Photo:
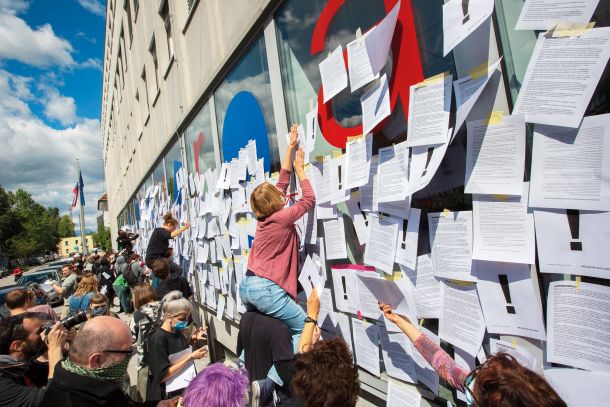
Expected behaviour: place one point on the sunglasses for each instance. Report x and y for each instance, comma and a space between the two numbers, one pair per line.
470, 379
123, 352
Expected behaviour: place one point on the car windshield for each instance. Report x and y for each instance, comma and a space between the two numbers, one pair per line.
38, 278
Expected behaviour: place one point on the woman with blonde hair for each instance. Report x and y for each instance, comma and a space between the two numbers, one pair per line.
79, 301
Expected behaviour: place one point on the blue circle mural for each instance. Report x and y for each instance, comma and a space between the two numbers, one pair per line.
244, 121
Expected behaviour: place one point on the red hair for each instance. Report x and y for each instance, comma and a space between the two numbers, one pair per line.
503, 382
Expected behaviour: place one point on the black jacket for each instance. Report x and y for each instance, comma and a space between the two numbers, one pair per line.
17, 386
71, 390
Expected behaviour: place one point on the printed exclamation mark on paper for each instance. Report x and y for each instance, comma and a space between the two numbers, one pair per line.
344, 283
465, 11
506, 290
428, 158
403, 245
574, 222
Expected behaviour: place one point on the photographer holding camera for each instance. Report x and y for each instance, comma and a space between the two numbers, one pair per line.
22, 340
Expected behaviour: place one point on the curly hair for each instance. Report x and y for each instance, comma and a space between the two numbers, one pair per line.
503, 382
326, 375
218, 386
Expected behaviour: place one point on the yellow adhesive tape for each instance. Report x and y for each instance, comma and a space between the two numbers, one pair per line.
578, 279
562, 30
503, 198
395, 276
337, 153
355, 138
320, 158
433, 79
462, 283
514, 343
479, 71
275, 175
495, 118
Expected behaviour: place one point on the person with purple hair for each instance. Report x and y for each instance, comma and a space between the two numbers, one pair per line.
218, 385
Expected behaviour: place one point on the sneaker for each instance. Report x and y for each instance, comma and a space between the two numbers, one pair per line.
261, 390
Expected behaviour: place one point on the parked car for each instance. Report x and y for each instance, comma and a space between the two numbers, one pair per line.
40, 296
41, 277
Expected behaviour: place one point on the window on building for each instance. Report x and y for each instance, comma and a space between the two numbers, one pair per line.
190, 4
123, 50
153, 54
67, 251
66, 243
136, 7
199, 143
129, 26
76, 241
168, 29
158, 177
244, 108
173, 162
146, 94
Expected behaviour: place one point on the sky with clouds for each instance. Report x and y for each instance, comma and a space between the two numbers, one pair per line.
51, 54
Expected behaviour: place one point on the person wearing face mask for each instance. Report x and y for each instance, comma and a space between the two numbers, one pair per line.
167, 340
98, 306
96, 369
21, 342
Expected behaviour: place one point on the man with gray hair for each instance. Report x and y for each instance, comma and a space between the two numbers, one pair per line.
96, 369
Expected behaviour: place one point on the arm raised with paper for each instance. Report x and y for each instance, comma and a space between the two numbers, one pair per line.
501, 377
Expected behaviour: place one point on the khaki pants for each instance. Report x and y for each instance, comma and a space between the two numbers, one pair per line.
141, 385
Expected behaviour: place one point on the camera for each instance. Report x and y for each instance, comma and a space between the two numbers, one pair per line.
69, 322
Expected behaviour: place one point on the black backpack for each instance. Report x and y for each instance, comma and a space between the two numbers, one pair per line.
152, 328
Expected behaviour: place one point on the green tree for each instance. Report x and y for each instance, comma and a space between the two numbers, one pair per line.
65, 226
101, 238
10, 223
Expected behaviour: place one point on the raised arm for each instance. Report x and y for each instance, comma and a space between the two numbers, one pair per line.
284, 180
180, 230
442, 363
313, 311
307, 200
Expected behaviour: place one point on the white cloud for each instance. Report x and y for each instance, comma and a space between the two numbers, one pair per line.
94, 63
14, 6
58, 107
39, 47
42, 160
93, 6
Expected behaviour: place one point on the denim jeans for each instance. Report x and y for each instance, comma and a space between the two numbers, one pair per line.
272, 300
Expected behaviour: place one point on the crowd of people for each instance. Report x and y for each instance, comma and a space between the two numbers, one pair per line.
81, 357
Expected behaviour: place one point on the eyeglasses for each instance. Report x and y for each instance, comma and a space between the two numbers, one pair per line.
470, 380
123, 352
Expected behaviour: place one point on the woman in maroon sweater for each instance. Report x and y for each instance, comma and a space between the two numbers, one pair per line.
270, 285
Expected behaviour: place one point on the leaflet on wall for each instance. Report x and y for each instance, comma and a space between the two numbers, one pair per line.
345, 286
522, 355
358, 154
429, 106
397, 350
359, 65
402, 395
375, 105
495, 155
571, 167
311, 276
579, 388
461, 322
427, 288
509, 300
337, 177
578, 319
466, 362
573, 242
545, 14
381, 244
451, 244
406, 244
358, 217
333, 74
503, 228
400, 297
311, 129
425, 161
366, 345
393, 173
379, 39
468, 90
562, 75
461, 18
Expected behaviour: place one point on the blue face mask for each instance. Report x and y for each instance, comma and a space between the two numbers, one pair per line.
96, 312
180, 325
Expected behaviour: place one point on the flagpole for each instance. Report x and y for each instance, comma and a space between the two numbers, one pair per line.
83, 234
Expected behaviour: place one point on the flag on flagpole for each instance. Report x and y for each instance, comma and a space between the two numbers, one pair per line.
81, 186
75, 200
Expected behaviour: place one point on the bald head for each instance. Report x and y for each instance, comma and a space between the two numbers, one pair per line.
98, 335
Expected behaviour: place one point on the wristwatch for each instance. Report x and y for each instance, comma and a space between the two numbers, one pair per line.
310, 319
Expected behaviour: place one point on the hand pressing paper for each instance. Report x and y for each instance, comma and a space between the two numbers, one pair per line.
333, 74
